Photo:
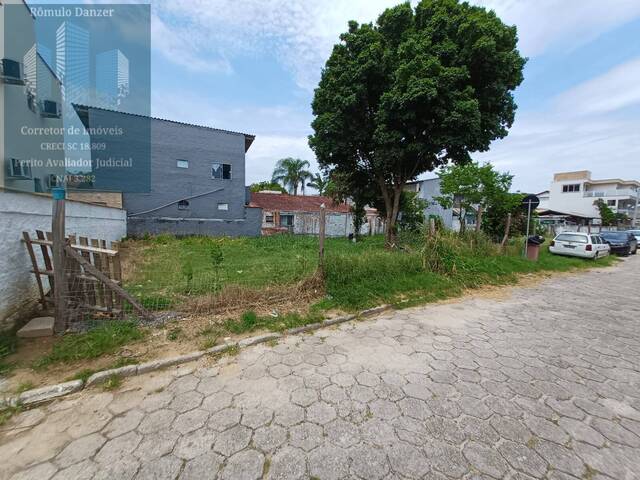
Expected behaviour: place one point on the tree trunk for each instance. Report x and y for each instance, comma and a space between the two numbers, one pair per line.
479, 219
392, 216
463, 220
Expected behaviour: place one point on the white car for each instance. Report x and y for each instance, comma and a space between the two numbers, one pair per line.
578, 244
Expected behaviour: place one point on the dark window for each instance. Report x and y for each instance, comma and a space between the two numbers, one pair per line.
10, 68
221, 171
611, 203
574, 187
19, 169
571, 237
183, 205
268, 218
286, 220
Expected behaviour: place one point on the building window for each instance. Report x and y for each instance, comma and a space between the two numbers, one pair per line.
221, 171
19, 169
182, 163
611, 203
223, 206
286, 220
268, 218
183, 205
574, 187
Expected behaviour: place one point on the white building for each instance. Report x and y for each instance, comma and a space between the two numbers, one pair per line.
31, 134
576, 194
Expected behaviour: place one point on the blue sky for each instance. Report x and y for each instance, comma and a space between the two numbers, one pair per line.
251, 66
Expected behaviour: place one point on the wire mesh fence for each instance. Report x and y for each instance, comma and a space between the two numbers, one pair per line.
153, 278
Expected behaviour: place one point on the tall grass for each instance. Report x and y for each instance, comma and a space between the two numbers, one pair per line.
103, 339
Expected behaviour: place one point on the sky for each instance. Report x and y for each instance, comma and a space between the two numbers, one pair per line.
252, 65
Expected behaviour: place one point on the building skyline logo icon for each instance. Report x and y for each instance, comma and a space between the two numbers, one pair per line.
112, 78
72, 62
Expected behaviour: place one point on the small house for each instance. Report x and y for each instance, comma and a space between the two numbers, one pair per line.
300, 214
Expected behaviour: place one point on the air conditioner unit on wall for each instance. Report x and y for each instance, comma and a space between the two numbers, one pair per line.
11, 72
49, 109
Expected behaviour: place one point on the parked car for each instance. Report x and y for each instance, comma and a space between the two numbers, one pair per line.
636, 233
621, 243
578, 244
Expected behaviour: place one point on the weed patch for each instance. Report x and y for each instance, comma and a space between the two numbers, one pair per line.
103, 339
113, 382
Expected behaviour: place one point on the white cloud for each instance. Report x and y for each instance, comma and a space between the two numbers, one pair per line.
540, 145
616, 89
562, 24
268, 149
209, 33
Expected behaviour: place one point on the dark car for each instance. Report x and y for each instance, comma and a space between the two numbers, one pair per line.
622, 243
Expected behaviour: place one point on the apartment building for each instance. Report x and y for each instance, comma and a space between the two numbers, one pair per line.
576, 194
30, 98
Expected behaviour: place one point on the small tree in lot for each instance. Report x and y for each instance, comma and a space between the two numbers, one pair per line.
607, 216
419, 89
472, 185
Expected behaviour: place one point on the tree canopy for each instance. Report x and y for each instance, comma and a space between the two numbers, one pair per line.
291, 173
319, 182
417, 90
472, 185
267, 185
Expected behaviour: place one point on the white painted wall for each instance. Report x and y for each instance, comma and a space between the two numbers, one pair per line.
29, 212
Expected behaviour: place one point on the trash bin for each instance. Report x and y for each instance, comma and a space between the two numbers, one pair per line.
533, 247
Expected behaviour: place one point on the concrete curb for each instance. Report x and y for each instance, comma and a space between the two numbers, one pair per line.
48, 393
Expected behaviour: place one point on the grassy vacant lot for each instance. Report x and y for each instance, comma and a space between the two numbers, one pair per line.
274, 273
165, 272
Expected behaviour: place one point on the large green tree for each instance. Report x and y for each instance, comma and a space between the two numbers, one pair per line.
417, 90
291, 173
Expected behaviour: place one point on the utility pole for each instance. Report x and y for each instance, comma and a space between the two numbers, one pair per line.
635, 210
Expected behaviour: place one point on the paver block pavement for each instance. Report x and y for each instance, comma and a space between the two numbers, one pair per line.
520, 387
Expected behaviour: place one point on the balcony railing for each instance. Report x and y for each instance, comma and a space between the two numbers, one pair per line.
614, 193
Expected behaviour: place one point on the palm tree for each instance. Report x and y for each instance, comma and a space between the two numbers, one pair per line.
319, 182
292, 172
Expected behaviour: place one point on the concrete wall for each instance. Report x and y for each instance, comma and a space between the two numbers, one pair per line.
29, 212
248, 226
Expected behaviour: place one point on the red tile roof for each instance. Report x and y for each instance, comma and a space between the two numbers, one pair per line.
295, 203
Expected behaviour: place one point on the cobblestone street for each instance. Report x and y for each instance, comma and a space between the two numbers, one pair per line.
543, 383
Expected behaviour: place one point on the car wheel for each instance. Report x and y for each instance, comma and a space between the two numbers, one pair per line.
596, 256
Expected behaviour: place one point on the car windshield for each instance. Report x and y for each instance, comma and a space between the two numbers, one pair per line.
571, 237
621, 236
635, 232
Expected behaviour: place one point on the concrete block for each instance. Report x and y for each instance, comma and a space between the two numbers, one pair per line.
375, 311
44, 394
37, 327
101, 377
334, 321
304, 328
258, 339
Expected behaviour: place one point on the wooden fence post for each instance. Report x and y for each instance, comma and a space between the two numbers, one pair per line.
321, 234
432, 226
506, 232
58, 238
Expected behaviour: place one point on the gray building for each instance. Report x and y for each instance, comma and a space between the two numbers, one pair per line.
174, 177
429, 190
